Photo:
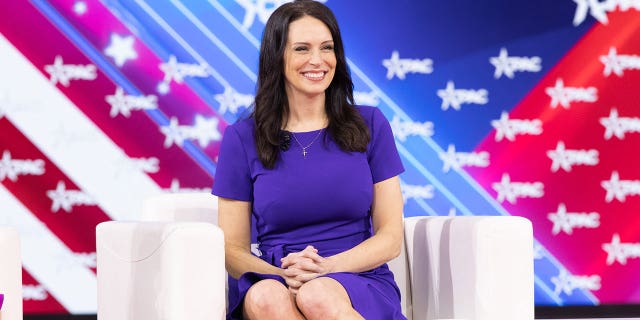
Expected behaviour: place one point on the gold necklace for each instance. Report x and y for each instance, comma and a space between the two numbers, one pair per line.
304, 148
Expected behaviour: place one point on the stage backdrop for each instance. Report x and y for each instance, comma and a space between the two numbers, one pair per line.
498, 107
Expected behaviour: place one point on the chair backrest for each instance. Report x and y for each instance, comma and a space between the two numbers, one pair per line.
10, 274
199, 206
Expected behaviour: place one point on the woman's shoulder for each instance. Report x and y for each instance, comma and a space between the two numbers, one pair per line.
371, 115
243, 126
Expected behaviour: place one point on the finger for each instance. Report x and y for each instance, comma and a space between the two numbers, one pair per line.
304, 277
292, 282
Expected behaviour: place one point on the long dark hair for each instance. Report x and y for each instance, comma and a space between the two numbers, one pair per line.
346, 126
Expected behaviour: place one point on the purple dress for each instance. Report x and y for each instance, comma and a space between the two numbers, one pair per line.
321, 199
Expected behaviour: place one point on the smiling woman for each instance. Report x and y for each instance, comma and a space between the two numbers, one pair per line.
320, 259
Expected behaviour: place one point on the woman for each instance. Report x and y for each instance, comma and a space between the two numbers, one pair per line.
319, 178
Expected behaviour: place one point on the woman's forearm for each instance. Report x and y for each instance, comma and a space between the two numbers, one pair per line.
240, 260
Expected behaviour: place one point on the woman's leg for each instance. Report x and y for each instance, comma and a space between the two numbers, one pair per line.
270, 299
325, 298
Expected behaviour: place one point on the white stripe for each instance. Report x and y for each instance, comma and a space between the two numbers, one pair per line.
48, 260
71, 140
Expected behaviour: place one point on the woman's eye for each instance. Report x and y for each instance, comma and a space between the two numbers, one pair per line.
300, 49
327, 48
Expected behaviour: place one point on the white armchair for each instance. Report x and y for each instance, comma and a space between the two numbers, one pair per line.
10, 274
470, 267
160, 271
474, 268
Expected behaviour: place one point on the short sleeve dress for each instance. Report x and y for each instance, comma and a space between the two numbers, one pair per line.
322, 199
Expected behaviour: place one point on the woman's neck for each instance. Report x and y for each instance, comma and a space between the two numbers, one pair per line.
306, 114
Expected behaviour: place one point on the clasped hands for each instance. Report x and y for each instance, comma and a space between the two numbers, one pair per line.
302, 266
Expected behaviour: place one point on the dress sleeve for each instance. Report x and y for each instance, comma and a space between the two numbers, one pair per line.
382, 155
233, 177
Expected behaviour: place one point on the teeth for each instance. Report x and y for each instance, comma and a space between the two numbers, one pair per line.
314, 75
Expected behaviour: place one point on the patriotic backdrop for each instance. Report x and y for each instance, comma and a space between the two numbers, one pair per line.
499, 107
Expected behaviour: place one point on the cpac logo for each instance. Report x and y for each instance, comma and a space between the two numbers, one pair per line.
400, 67
232, 101
566, 158
366, 98
176, 71
204, 130
511, 191
566, 283
123, 104
261, 9
64, 199
509, 128
565, 95
619, 126
452, 97
618, 63
32, 292
508, 65
566, 221
453, 159
599, 9
619, 251
401, 130
416, 192
620, 189
175, 188
64, 73
11, 169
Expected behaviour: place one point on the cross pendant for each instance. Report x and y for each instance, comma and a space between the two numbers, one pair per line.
304, 152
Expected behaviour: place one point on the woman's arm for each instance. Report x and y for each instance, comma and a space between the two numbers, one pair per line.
234, 218
384, 245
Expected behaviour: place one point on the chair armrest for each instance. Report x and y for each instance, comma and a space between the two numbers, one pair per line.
10, 274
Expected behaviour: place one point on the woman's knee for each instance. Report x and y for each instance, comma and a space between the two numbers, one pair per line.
266, 296
322, 298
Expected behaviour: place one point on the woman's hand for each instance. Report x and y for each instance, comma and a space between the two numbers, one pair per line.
300, 267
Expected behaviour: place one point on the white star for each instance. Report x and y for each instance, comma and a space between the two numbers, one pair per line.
559, 158
56, 72
597, 11
560, 220
394, 67
504, 189
563, 283
449, 159
172, 133
612, 63
501, 63
558, 95
206, 130
118, 102
503, 128
449, 97
170, 69
59, 198
614, 188
6, 167
612, 125
615, 251
121, 49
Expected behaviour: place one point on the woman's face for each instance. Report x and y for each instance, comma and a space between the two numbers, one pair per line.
309, 58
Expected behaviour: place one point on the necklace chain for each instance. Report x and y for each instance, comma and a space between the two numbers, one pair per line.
304, 148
